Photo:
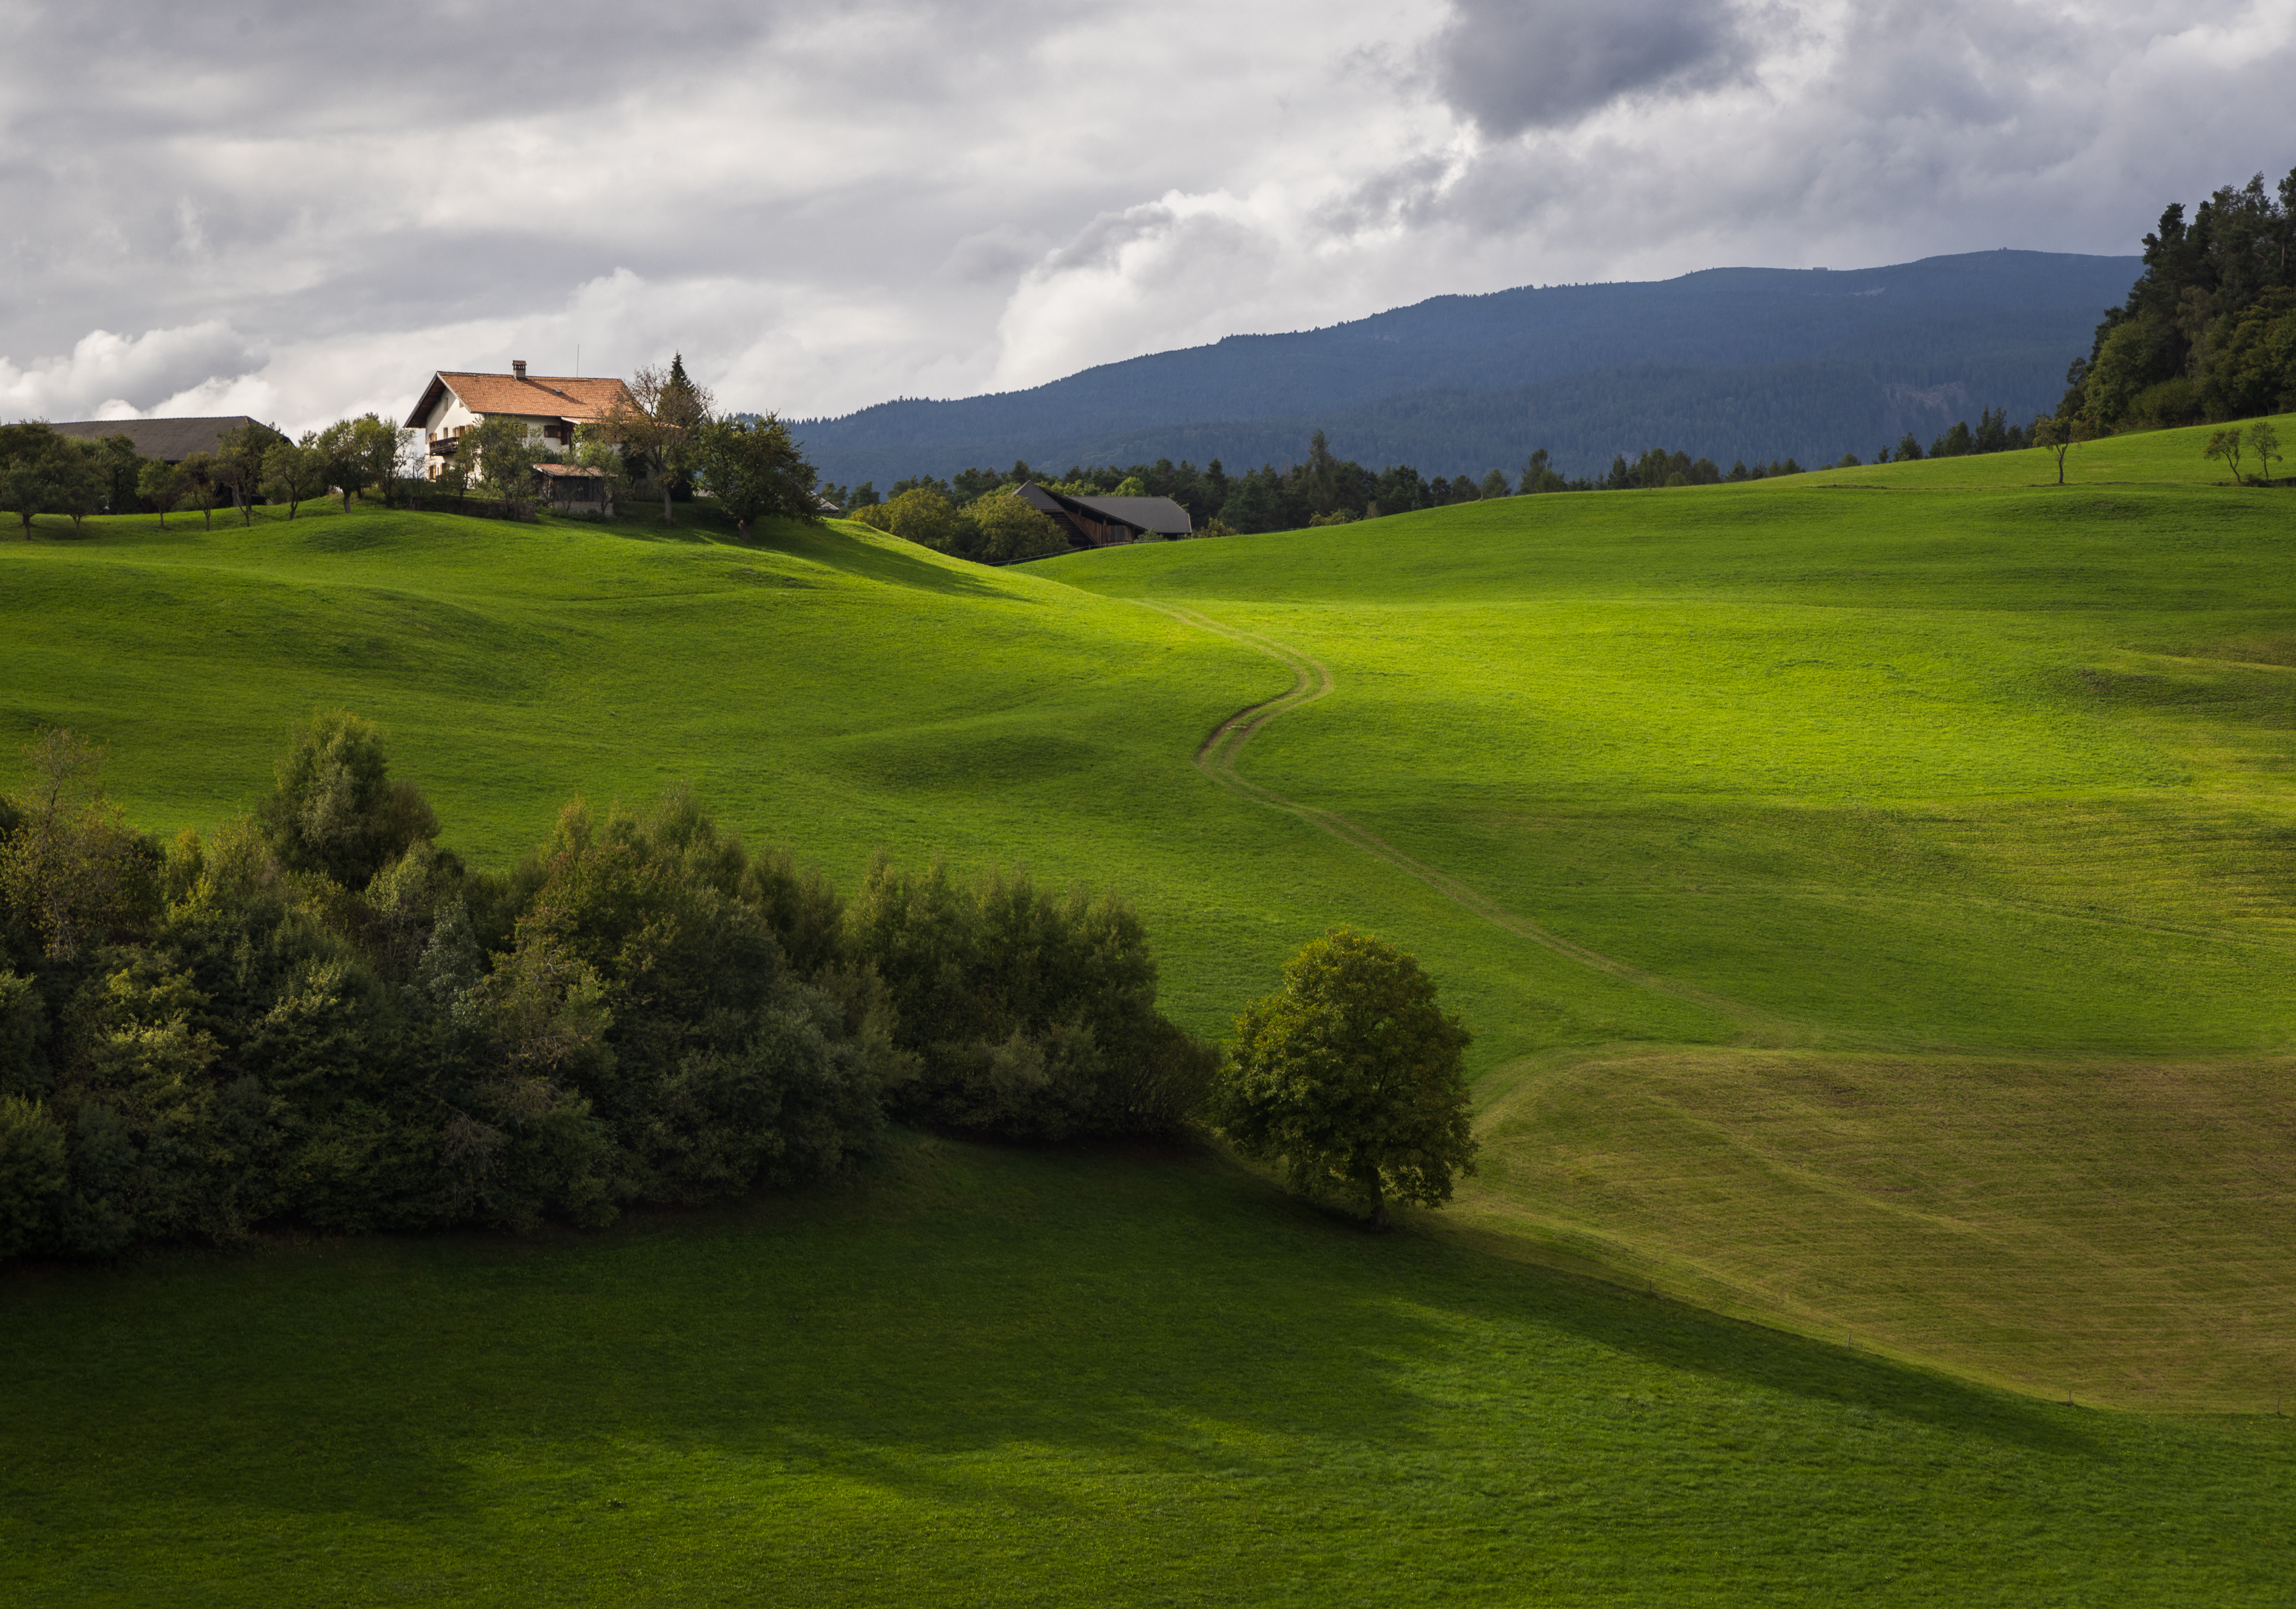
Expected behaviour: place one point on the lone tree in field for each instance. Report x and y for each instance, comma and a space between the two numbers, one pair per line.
2061, 435
1351, 1075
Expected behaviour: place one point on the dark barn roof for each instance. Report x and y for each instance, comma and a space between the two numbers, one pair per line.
172, 440
1142, 516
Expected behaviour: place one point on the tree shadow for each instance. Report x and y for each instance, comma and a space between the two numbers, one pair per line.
1157, 1310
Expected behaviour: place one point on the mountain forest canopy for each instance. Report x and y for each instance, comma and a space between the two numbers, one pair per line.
2208, 331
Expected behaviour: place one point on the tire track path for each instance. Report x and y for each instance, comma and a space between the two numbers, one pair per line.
1216, 758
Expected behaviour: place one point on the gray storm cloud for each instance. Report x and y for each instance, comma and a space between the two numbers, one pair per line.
1518, 64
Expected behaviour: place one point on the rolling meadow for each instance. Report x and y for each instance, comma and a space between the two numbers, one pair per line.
1873, 893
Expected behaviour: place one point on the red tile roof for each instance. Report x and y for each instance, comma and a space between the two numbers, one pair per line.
536, 397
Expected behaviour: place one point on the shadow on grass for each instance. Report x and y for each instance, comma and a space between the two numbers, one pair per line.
1165, 1313
888, 560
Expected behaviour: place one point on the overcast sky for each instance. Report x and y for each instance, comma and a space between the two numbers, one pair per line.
300, 209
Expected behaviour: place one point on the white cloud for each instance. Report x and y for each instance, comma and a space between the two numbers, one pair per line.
300, 212
109, 376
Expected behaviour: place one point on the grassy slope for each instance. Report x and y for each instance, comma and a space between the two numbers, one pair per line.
1980, 791
998, 1378
1912, 762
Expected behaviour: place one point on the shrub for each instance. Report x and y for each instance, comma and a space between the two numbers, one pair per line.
335, 810
31, 1172
1031, 1016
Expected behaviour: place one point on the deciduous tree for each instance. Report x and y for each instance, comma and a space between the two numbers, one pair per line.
660, 420
1010, 528
161, 485
120, 465
343, 458
336, 810
30, 457
2225, 444
1351, 1076
917, 515
2061, 435
239, 465
2264, 442
199, 474
383, 451
82, 479
294, 471
500, 454
755, 471
72, 867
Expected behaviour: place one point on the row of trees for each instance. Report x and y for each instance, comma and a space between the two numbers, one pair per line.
42, 472
317, 1017
2207, 332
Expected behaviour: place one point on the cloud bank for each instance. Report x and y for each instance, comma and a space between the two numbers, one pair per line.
300, 212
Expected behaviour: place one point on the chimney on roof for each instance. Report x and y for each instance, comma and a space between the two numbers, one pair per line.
518, 368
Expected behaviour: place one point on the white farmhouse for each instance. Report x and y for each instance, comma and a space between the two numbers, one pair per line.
551, 404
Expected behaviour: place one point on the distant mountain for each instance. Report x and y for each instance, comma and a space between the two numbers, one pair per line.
1729, 363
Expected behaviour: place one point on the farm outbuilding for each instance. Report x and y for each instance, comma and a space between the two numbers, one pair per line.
573, 490
1106, 522
169, 441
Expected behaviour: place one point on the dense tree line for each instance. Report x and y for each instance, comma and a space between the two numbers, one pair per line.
2208, 331
317, 1017
1320, 490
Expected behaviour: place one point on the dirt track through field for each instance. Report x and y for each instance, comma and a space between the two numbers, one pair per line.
1216, 758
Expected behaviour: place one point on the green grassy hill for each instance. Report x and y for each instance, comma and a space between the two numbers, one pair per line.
1874, 893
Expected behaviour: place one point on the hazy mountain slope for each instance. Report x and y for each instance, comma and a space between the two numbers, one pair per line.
1730, 362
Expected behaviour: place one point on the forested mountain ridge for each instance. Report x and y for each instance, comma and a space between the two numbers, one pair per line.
1727, 362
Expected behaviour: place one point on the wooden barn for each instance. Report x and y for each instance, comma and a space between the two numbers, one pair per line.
1107, 522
